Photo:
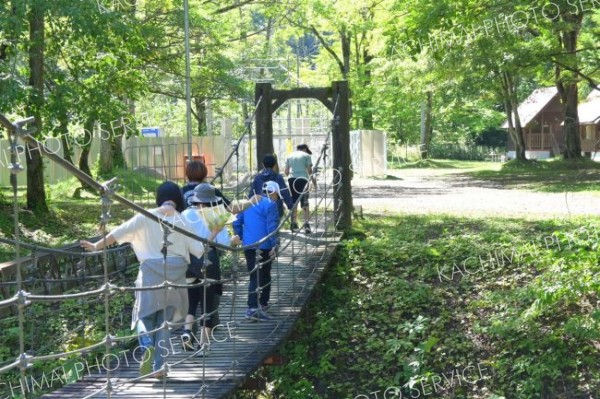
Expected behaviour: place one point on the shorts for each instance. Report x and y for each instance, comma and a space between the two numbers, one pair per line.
299, 189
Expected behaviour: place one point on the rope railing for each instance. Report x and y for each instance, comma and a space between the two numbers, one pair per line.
321, 237
58, 251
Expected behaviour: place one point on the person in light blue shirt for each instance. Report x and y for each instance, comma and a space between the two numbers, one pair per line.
298, 167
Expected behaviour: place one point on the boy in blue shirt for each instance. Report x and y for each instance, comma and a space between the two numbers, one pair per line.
251, 226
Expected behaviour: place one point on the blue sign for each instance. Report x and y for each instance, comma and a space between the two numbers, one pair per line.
150, 131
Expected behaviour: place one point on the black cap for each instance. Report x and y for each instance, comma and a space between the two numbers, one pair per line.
269, 161
169, 191
304, 147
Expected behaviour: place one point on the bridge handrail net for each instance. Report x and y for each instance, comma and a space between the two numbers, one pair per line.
321, 213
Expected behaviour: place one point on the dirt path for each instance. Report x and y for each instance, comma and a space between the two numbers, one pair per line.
451, 191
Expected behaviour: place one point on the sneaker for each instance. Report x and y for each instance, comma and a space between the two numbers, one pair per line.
160, 374
307, 229
264, 308
147, 360
186, 341
257, 315
251, 314
294, 226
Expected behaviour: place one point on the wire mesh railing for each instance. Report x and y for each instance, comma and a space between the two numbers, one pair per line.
83, 297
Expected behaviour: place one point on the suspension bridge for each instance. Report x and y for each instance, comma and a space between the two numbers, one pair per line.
108, 366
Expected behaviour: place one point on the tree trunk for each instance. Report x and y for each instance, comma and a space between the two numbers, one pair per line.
86, 145
518, 130
346, 42
63, 131
262, 74
571, 126
3, 52
566, 83
200, 114
426, 124
367, 102
36, 194
116, 147
106, 159
509, 97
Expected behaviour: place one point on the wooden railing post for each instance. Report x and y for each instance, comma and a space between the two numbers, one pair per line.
342, 199
264, 122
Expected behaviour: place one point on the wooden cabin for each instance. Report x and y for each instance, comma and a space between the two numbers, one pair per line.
589, 125
541, 115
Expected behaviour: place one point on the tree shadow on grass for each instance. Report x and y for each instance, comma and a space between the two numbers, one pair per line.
549, 182
550, 177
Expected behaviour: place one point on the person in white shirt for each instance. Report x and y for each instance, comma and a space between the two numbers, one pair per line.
155, 307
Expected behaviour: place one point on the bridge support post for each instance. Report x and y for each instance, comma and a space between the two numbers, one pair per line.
264, 122
271, 100
342, 193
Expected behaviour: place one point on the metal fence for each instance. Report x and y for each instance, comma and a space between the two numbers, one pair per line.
163, 157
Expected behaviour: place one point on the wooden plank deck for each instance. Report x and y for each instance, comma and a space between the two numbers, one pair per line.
244, 345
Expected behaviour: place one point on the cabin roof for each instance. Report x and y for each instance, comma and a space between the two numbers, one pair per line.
534, 104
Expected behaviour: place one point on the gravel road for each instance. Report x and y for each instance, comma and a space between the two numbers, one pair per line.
452, 192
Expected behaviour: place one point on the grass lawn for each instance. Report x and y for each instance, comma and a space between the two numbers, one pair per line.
448, 164
449, 307
547, 176
554, 176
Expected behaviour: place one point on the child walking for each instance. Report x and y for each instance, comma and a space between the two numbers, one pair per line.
251, 226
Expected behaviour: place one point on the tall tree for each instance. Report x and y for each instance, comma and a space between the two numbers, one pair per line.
426, 124
567, 29
498, 58
348, 33
36, 194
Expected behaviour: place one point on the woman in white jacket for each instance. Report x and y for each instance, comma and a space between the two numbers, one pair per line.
155, 307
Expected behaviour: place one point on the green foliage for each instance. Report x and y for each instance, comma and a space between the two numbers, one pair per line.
68, 325
460, 151
385, 317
